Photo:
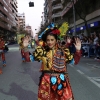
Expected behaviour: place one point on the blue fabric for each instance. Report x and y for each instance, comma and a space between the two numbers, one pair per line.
31, 58
62, 77
72, 62
60, 86
23, 58
4, 62
53, 80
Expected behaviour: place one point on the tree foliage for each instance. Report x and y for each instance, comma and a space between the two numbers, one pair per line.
83, 8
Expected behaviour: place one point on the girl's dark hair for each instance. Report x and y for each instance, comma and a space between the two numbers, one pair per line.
48, 32
44, 38
22, 38
63, 43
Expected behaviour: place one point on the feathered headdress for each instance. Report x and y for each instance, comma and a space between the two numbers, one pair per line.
54, 29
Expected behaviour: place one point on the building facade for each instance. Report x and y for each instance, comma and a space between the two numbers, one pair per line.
8, 17
90, 13
52, 10
21, 21
47, 11
29, 30
63, 10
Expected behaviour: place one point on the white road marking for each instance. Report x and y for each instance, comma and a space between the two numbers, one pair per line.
71, 65
93, 65
94, 81
90, 64
80, 72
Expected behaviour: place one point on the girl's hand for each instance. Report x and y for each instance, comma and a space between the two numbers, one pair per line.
68, 40
77, 44
26, 41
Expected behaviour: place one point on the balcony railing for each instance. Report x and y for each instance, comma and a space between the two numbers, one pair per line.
62, 1
3, 25
58, 6
68, 6
56, 15
53, 0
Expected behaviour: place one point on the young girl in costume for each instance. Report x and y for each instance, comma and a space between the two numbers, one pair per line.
2, 54
54, 82
21, 48
24, 50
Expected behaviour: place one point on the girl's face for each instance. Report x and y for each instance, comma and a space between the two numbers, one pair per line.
51, 41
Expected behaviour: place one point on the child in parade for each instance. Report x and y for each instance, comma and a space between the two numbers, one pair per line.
2, 54
54, 82
21, 47
24, 50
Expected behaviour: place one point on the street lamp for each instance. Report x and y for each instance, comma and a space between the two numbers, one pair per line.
74, 18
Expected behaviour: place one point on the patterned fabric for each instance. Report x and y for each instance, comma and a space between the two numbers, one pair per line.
49, 58
27, 56
59, 61
46, 93
50, 62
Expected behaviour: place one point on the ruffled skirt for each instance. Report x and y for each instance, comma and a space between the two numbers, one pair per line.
45, 91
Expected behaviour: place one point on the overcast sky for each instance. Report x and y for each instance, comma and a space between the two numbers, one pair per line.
32, 14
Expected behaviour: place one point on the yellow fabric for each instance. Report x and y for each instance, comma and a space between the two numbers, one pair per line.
33, 43
40, 43
21, 45
41, 54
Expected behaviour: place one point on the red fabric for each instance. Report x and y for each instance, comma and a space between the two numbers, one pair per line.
37, 42
77, 56
45, 92
55, 31
3, 56
68, 44
0, 71
27, 56
2, 44
22, 53
43, 44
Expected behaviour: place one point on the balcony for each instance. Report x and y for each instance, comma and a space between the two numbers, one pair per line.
67, 7
4, 19
54, 2
57, 7
56, 15
46, 3
4, 26
64, 1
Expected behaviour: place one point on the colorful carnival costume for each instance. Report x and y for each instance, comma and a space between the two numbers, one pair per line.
24, 53
2, 54
54, 82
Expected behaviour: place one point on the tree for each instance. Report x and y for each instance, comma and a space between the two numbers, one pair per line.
82, 9
22, 31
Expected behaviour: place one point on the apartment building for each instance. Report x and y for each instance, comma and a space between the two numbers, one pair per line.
47, 11
8, 16
21, 21
52, 10
92, 10
62, 10
29, 30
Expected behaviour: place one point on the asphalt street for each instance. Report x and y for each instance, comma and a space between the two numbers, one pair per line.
19, 81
